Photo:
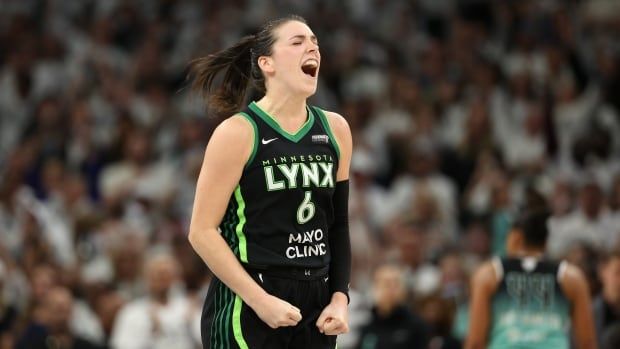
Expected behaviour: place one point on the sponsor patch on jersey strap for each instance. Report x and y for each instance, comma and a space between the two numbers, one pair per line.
320, 139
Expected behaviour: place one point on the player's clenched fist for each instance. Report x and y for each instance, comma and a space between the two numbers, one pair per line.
277, 313
334, 319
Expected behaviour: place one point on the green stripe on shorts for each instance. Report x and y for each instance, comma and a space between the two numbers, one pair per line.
236, 322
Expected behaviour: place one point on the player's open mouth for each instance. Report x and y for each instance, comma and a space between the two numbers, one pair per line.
310, 67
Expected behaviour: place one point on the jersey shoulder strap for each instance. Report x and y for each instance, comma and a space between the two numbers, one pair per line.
251, 118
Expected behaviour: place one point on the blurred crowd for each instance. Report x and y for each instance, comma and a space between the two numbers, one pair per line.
460, 110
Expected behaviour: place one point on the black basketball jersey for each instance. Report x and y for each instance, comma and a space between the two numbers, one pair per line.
529, 308
281, 210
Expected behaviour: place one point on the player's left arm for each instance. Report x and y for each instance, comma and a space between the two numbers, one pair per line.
483, 286
334, 318
576, 289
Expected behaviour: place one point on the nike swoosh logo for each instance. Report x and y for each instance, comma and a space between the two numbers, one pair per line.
268, 140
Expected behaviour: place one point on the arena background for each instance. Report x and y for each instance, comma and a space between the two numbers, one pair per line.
460, 112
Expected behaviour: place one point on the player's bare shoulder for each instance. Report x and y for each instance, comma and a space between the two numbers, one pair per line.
233, 138
234, 130
338, 124
236, 124
340, 128
572, 279
486, 276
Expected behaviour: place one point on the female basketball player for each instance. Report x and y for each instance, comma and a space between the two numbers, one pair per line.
526, 301
270, 212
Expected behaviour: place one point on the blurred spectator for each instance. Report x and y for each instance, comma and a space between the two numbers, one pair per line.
159, 320
488, 174
614, 205
501, 215
8, 311
369, 198
136, 175
406, 244
614, 197
454, 268
392, 324
107, 307
439, 313
360, 312
367, 213
606, 305
611, 337
127, 257
476, 240
52, 327
424, 196
584, 256
591, 223
561, 200
474, 142
525, 148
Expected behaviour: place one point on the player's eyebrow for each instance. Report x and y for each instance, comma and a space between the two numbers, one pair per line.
301, 36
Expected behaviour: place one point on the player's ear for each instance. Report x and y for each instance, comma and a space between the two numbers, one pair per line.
265, 63
514, 241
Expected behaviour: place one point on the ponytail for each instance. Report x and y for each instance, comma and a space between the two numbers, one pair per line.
229, 96
240, 63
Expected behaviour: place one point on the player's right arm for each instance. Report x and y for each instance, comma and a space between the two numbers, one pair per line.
228, 151
483, 285
576, 289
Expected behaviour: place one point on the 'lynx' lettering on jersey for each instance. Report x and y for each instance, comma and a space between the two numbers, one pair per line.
317, 174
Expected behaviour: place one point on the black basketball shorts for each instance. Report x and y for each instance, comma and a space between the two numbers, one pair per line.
228, 323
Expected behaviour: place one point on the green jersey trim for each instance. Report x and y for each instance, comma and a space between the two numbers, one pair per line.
295, 137
243, 250
237, 324
255, 146
325, 123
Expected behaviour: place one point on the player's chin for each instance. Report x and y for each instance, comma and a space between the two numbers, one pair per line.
308, 89
308, 84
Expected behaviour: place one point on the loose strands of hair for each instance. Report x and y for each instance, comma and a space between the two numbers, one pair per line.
230, 94
240, 63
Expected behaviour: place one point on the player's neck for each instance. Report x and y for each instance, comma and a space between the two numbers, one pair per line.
284, 106
529, 252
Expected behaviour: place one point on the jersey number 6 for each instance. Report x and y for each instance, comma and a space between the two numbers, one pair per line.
305, 212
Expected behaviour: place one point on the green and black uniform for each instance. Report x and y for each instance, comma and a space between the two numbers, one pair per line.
529, 309
277, 224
